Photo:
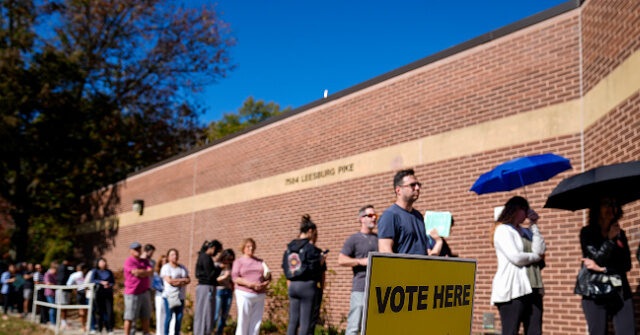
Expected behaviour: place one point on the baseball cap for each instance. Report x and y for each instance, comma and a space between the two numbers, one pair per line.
135, 245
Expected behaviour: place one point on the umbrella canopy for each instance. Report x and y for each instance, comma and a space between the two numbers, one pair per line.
520, 172
621, 181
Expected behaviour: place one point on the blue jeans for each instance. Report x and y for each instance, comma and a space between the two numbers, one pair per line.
223, 304
168, 313
52, 311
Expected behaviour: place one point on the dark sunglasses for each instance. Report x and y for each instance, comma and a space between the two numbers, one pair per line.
413, 185
373, 216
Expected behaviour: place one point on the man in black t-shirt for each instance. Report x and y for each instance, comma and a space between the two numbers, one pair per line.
65, 269
354, 254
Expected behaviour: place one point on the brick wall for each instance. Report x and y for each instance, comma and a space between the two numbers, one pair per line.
610, 32
498, 80
533, 68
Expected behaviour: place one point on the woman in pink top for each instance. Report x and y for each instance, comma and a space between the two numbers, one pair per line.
248, 273
50, 294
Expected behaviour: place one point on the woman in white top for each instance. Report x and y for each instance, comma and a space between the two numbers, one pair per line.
175, 277
77, 278
157, 283
517, 286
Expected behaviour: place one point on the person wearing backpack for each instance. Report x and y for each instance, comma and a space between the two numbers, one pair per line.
304, 266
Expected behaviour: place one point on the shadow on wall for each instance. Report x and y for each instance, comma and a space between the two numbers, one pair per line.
97, 227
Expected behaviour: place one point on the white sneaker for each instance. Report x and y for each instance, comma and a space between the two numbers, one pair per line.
110, 333
92, 332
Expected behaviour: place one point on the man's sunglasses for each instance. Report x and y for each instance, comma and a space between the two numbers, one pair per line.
413, 185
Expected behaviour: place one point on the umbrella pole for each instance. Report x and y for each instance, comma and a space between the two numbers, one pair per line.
523, 186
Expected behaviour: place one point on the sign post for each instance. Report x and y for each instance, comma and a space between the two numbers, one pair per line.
413, 294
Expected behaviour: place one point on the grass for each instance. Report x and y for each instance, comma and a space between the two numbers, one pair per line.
17, 326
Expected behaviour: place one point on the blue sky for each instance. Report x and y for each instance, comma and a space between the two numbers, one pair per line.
290, 51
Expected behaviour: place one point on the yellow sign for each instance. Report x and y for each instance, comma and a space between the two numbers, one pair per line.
411, 294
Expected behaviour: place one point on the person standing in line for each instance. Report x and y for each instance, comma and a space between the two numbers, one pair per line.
63, 297
606, 255
77, 278
147, 253
304, 265
38, 278
6, 280
50, 278
158, 286
10, 291
206, 273
137, 303
175, 277
401, 227
251, 280
103, 278
317, 299
517, 285
224, 290
27, 288
354, 254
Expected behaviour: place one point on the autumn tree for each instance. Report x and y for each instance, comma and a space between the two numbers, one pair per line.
90, 91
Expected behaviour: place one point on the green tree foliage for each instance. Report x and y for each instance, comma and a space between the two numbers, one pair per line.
90, 91
251, 112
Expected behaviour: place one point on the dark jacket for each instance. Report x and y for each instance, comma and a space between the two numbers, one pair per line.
103, 275
206, 271
313, 259
64, 272
614, 255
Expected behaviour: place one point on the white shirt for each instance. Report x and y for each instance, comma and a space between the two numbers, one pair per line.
174, 273
76, 278
511, 280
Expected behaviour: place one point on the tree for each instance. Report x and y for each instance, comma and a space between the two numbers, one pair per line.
90, 91
251, 112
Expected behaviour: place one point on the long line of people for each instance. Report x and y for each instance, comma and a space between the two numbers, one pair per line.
517, 289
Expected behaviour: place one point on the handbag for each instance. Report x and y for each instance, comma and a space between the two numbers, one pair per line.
173, 299
597, 284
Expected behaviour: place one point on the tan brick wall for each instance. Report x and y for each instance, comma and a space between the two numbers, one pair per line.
530, 69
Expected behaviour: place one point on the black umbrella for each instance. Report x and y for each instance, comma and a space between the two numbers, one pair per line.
620, 181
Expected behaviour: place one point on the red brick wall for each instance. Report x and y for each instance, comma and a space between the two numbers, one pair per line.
524, 71
610, 33
498, 81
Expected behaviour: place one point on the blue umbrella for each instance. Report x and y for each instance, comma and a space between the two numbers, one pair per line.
520, 172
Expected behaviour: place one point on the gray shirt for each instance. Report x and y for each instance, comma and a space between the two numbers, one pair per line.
359, 245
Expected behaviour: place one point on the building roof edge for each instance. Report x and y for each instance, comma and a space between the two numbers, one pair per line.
466, 45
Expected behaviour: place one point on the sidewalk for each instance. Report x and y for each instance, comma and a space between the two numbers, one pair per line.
74, 326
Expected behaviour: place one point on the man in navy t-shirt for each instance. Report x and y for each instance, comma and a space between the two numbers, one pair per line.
401, 227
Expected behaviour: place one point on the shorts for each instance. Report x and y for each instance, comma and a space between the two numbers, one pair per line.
81, 298
62, 297
137, 306
27, 293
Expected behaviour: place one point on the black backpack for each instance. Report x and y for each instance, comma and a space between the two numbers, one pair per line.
296, 264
